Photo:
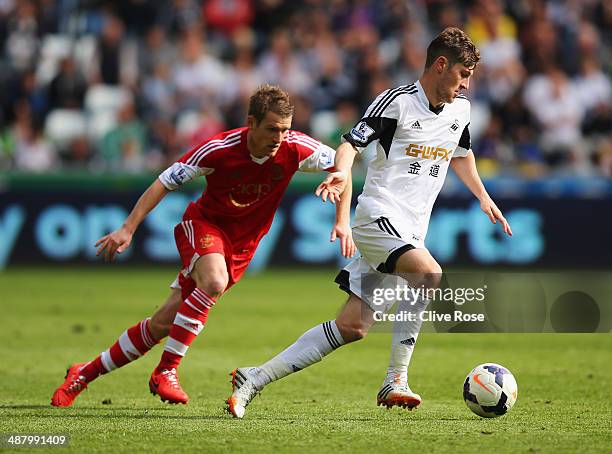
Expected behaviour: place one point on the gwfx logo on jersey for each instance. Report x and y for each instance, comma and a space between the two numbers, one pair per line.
427, 152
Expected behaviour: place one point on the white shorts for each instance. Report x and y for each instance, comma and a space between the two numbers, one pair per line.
380, 243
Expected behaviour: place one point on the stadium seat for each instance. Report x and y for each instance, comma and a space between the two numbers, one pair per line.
479, 120
323, 124
188, 122
56, 46
84, 54
53, 49
99, 123
101, 98
64, 125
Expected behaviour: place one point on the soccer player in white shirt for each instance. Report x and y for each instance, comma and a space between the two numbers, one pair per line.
420, 130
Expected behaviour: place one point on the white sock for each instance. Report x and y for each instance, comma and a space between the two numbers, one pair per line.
405, 335
309, 349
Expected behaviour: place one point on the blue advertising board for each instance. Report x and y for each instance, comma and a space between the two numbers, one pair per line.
62, 226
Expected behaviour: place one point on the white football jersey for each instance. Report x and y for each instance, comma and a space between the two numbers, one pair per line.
415, 144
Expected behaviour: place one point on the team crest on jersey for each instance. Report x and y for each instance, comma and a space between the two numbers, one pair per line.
276, 172
206, 241
455, 127
246, 194
361, 132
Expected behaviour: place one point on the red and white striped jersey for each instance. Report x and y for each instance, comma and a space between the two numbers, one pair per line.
243, 192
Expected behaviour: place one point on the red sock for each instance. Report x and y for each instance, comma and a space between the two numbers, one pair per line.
188, 323
131, 345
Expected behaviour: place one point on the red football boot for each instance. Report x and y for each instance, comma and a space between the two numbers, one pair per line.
69, 390
167, 386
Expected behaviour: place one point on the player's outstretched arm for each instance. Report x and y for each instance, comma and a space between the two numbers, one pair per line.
342, 226
336, 182
119, 240
465, 168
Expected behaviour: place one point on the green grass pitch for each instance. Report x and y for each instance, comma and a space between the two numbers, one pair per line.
54, 317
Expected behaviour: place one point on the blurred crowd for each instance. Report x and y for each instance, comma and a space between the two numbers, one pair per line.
129, 86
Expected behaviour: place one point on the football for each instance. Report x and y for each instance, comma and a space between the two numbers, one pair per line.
490, 390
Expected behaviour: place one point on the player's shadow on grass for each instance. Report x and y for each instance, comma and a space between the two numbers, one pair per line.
24, 407
118, 412
65, 411
122, 415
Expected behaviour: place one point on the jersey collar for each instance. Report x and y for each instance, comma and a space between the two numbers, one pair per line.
255, 159
259, 160
423, 98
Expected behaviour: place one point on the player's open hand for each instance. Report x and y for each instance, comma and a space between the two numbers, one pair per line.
332, 187
495, 214
344, 233
114, 243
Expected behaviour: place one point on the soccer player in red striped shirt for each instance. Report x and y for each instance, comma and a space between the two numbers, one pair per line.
247, 171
